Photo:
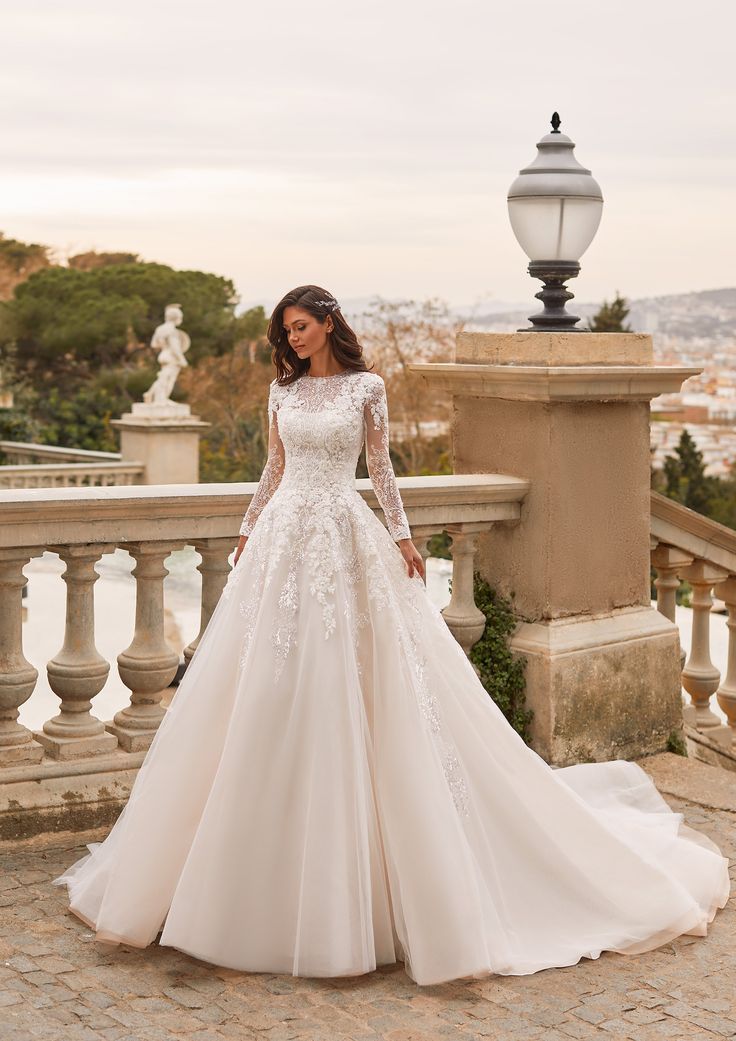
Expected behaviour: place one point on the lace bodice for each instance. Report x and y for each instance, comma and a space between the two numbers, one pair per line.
317, 427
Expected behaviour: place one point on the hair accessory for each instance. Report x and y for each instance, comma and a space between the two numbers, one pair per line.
331, 305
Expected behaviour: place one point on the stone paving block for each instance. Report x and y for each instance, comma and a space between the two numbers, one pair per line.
212, 1014
180, 1022
590, 1014
57, 992
183, 995
10, 997
97, 1020
39, 1001
407, 1034
21, 963
716, 1004
237, 1032
642, 1016
50, 963
579, 1029
619, 1028
206, 985
550, 1017
151, 1004
665, 1028
99, 998
127, 1017
38, 977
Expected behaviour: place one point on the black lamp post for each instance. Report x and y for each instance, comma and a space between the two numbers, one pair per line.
555, 207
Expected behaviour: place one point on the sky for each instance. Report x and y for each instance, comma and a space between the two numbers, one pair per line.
368, 148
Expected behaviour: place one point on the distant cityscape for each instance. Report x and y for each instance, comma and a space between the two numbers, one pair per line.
696, 329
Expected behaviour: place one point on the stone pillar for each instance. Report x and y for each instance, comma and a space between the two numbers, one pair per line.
78, 672
165, 439
465, 621
214, 569
17, 675
148, 665
570, 413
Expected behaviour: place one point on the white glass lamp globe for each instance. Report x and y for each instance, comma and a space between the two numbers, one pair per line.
555, 204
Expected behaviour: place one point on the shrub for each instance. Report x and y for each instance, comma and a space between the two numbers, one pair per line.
501, 672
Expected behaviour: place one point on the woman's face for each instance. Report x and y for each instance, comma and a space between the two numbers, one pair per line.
306, 335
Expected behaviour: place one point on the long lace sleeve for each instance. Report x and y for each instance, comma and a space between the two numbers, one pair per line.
272, 471
380, 470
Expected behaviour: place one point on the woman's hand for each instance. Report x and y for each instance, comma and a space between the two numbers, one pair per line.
412, 556
241, 546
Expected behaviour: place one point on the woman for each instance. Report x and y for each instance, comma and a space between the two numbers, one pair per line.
332, 789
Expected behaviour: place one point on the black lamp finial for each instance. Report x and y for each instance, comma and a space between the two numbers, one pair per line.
556, 122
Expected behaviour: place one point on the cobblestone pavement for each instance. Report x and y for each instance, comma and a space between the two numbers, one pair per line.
56, 982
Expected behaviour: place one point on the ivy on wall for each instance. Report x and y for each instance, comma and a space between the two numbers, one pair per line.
501, 672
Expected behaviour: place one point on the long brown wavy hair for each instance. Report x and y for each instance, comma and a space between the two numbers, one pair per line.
342, 340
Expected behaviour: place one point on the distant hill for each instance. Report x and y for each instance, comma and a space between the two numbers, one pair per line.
707, 317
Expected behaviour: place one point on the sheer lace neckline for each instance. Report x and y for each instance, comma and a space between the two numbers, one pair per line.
330, 377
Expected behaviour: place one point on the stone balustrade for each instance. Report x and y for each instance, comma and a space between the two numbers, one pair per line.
688, 547
22, 452
70, 475
50, 466
33, 452
88, 764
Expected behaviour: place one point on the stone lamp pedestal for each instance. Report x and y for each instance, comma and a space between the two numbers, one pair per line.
165, 439
570, 413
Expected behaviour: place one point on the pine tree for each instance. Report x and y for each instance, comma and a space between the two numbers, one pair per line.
611, 317
685, 477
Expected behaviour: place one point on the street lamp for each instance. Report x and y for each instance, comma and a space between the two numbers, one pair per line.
555, 207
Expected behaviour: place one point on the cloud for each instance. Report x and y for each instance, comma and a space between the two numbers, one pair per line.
374, 143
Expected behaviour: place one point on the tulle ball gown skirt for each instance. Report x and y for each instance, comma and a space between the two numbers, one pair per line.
332, 789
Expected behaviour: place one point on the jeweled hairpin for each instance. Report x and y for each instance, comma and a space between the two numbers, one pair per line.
331, 305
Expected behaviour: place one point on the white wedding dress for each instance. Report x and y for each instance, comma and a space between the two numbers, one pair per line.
332, 788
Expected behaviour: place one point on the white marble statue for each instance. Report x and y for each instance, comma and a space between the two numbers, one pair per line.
172, 344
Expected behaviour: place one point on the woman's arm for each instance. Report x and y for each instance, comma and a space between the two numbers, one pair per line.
381, 473
270, 477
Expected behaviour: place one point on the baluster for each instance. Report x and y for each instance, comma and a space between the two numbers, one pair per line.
669, 562
726, 693
463, 618
214, 569
17, 676
78, 672
700, 677
148, 665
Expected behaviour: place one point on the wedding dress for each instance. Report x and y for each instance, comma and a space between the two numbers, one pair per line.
332, 789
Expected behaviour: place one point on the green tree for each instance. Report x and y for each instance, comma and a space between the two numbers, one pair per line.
722, 507
685, 478
74, 345
610, 318
64, 320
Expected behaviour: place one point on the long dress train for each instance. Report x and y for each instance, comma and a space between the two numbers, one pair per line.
332, 788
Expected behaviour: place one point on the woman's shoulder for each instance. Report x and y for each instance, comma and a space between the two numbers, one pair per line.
276, 393
372, 384
368, 378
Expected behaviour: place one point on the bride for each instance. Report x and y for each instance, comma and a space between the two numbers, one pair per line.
332, 789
